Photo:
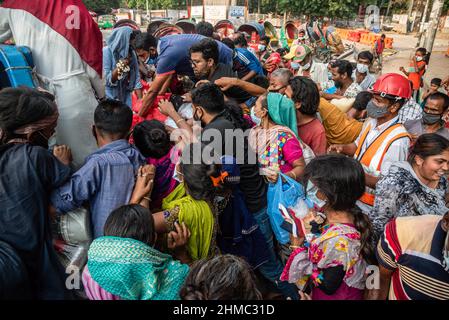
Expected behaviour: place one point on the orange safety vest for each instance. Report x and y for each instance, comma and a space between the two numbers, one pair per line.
374, 154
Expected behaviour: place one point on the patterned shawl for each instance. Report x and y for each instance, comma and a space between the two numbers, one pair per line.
133, 270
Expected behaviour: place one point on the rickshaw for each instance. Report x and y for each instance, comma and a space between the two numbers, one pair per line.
16, 67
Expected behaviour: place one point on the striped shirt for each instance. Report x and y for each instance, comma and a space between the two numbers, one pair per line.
412, 247
245, 61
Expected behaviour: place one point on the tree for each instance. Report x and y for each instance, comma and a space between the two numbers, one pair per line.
157, 4
322, 8
102, 6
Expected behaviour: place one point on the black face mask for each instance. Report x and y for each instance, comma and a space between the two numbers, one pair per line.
196, 118
41, 140
429, 118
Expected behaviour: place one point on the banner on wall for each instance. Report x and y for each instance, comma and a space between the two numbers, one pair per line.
197, 12
236, 11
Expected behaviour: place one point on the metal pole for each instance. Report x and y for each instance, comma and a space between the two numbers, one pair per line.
420, 42
388, 8
434, 19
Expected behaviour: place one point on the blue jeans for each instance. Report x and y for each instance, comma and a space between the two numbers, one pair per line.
273, 268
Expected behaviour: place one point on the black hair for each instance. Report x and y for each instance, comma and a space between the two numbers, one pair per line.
343, 66
267, 39
113, 117
261, 81
131, 221
229, 43
305, 92
205, 28
208, 47
197, 173
282, 51
234, 113
241, 41
361, 100
145, 41
366, 55
422, 50
436, 81
209, 97
383, 35
342, 180
152, 139
20, 106
440, 96
223, 277
427, 145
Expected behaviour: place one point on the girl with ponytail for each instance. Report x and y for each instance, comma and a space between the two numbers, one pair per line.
333, 264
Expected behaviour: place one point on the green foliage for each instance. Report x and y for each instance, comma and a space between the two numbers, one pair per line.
157, 4
102, 6
322, 8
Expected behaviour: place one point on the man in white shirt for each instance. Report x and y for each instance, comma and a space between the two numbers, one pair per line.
361, 74
383, 140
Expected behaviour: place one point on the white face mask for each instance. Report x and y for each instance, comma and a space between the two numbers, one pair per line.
262, 47
255, 118
418, 58
306, 66
311, 194
362, 68
177, 175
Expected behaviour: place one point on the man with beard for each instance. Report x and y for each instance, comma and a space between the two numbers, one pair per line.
342, 77
206, 66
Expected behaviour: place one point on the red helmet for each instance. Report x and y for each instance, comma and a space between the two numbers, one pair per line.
393, 84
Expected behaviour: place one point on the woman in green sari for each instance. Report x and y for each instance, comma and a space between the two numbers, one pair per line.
192, 203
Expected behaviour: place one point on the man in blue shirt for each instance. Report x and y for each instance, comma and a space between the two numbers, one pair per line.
245, 63
174, 58
107, 178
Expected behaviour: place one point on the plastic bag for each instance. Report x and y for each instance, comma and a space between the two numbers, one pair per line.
287, 194
72, 237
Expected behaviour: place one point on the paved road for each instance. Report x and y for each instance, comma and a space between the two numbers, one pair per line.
405, 46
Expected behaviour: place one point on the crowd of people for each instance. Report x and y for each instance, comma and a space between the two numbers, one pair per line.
368, 154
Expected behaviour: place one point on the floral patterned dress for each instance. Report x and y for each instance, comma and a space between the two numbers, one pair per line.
338, 245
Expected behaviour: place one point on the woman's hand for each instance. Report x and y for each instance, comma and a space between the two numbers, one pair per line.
63, 154
335, 148
272, 175
144, 183
179, 238
166, 108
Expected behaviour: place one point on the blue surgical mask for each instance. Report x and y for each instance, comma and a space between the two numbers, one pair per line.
255, 118
311, 194
329, 75
295, 65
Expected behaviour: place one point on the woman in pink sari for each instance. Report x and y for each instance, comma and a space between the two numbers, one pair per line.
153, 141
275, 138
